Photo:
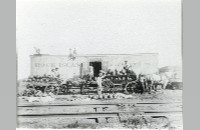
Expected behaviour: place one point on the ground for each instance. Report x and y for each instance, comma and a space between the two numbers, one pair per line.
171, 118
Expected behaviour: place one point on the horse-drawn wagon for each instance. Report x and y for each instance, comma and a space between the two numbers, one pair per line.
38, 85
112, 84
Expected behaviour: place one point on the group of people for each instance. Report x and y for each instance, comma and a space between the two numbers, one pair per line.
146, 83
124, 71
150, 82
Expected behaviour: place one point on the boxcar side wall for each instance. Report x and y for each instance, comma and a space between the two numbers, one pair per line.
43, 64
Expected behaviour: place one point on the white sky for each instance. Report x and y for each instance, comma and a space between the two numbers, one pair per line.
98, 26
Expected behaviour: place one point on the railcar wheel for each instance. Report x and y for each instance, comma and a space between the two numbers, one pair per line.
52, 89
108, 86
63, 89
130, 87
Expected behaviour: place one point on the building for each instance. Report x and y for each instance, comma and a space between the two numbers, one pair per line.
141, 63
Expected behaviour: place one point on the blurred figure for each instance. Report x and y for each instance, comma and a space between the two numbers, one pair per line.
37, 50
122, 71
55, 73
99, 83
91, 72
116, 72
126, 65
74, 52
141, 83
164, 80
109, 72
149, 83
156, 81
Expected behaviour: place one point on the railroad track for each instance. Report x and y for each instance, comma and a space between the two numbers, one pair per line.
42, 115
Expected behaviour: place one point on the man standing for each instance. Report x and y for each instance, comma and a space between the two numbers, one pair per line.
141, 82
149, 82
91, 72
126, 65
99, 83
55, 72
156, 81
164, 80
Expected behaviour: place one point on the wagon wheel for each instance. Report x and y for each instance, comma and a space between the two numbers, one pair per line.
52, 89
41, 88
63, 89
108, 85
174, 86
47, 89
130, 87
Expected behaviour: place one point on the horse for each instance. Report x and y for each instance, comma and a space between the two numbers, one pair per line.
153, 80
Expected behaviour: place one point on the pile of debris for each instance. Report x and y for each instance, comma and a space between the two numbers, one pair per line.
105, 96
44, 79
39, 86
36, 95
37, 91
111, 96
78, 98
31, 92
40, 99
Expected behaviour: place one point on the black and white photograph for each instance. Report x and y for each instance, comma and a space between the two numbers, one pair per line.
99, 64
